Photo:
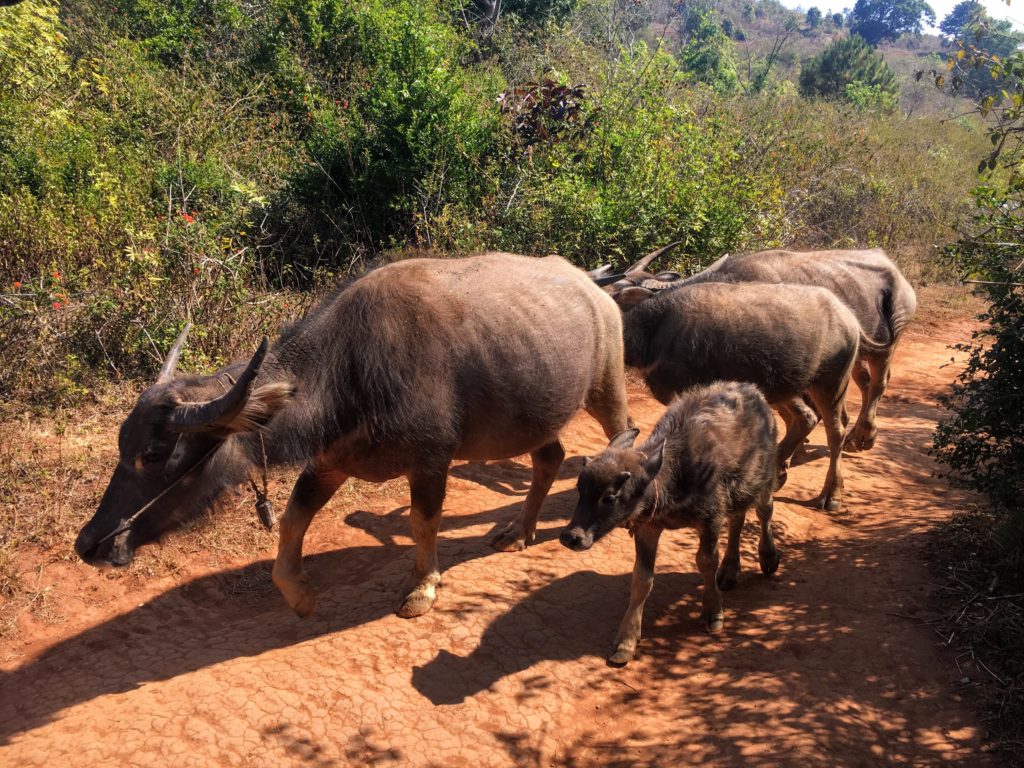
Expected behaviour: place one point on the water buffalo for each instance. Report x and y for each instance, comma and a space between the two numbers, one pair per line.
866, 281
709, 458
786, 339
397, 373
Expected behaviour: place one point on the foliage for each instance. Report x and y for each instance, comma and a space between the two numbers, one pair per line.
964, 14
220, 160
870, 98
813, 17
709, 56
980, 44
880, 20
846, 61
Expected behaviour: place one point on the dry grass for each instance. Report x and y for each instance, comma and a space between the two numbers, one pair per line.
981, 615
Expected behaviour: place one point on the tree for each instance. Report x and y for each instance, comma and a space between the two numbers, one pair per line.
708, 55
879, 20
847, 60
837, 20
963, 14
813, 17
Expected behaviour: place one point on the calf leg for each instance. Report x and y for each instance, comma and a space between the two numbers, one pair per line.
546, 461
707, 564
646, 544
800, 420
312, 490
800, 452
427, 496
730, 567
767, 554
872, 382
831, 407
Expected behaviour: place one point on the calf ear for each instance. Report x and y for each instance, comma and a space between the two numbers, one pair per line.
624, 439
652, 464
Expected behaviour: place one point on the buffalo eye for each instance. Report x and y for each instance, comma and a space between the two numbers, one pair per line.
152, 456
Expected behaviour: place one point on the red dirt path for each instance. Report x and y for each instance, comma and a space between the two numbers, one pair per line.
822, 664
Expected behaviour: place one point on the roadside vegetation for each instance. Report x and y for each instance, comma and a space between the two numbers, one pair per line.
218, 161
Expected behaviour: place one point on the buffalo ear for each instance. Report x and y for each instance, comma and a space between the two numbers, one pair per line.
652, 464
624, 439
628, 298
260, 406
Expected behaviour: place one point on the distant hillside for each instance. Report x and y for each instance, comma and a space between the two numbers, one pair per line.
764, 30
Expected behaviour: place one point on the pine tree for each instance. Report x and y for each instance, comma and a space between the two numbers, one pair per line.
847, 60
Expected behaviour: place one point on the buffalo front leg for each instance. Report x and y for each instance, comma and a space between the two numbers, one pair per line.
707, 563
546, 461
646, 542
312, 490
427, 491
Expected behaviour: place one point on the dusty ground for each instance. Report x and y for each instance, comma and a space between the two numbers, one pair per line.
184, 660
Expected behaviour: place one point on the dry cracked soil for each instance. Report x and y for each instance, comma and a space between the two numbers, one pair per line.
826, 663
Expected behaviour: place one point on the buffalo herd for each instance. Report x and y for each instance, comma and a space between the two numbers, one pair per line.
424, 361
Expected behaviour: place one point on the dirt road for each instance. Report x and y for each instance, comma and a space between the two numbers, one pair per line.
823, 664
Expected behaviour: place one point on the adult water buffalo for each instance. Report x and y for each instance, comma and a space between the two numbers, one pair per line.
397, 373
866, 281
787, 340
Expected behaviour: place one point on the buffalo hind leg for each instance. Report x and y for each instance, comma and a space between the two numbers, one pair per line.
427, 490
872, 382
646, 545
831, 407
729, 570
518, 535
767, 554
800, 419
707, 563
312, 490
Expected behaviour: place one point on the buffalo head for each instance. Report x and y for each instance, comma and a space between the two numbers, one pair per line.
612, 490
168, 446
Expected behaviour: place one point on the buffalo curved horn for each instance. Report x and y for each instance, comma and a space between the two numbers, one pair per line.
197, 417
608, 279
601, 271
171, 363
646, 260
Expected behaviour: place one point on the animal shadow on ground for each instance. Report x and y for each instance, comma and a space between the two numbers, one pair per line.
222, 616
797, 664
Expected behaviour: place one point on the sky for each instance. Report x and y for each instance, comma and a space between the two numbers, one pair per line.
996, 8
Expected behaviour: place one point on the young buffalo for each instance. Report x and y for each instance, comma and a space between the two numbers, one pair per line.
710, 458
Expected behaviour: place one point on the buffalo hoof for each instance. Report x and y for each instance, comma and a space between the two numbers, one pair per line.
727, 580
715, 621
860, 440
769, 562
415, 605
830, 504
509, 540
299, 595
620, 658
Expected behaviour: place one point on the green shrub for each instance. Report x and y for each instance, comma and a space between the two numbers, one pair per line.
845, 61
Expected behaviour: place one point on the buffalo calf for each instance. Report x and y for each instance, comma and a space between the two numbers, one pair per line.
710, 458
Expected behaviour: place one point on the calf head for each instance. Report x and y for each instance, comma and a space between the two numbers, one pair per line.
166, 448
612, 489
